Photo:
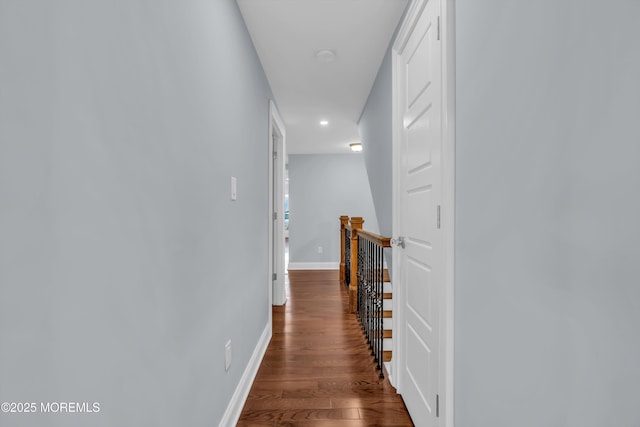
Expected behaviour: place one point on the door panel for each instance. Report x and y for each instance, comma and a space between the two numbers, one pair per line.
418, 200
420, 174
419, 293
419, 366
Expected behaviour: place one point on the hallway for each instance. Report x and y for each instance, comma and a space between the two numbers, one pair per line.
317, 370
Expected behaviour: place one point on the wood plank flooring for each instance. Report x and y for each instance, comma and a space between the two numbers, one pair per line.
318, 370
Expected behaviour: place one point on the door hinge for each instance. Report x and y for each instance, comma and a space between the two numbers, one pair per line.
438, 28
437, 406
275, 154
274, 276
275, 216
438, 216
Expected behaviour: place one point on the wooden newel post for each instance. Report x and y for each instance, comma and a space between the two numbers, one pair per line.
344, 221
356, 224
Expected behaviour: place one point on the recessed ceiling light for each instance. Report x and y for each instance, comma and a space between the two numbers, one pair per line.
324, 122
356, 147
325, 55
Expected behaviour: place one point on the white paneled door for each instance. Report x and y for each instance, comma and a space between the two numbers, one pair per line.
418, 79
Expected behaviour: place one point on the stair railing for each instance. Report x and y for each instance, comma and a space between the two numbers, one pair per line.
362, 272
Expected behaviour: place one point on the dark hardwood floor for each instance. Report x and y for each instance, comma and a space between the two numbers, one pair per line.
318, 370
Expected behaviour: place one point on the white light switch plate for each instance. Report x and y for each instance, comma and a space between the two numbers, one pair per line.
234, 188
227, 355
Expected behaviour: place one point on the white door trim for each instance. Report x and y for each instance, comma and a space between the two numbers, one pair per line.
448, 194
277, 294
447, 34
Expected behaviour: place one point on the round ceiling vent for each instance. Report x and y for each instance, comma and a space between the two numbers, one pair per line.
325, 55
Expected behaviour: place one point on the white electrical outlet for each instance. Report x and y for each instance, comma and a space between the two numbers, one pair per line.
320, 249
227, 355
234, 188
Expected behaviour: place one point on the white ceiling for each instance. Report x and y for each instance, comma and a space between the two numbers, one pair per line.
288, 33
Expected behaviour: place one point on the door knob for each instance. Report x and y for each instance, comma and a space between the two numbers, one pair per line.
398, 242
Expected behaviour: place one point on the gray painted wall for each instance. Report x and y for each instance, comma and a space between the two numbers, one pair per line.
376, 132
547, 292
120, 270
322, 187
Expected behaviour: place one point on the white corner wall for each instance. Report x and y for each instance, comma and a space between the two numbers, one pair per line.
547, 300
123, 262
376, 132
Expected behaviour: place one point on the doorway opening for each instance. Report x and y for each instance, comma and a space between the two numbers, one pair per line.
277, 172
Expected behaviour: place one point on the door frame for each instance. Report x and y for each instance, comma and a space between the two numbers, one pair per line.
446, 369
277, 164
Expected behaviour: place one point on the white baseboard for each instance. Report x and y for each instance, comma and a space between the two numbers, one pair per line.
314, 266
389, 369
234, 409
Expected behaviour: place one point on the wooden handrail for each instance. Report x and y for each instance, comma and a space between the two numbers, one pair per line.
379, 240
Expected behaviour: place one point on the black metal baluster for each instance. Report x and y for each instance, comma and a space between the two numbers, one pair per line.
365, 325
374, 308
379, 308
376, 301
360, 279
380, 293
370, 299
370, 296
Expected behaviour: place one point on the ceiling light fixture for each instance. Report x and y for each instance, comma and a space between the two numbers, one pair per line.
324, 122
356, 147
325, 55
